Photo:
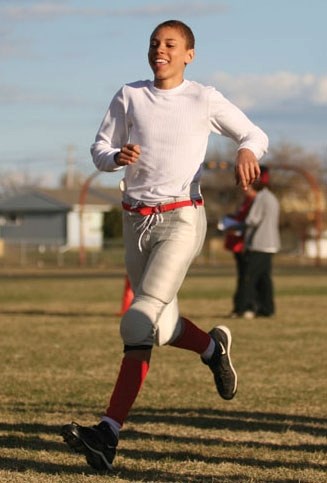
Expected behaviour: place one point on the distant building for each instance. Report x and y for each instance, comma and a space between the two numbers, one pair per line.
56, 217
314, 248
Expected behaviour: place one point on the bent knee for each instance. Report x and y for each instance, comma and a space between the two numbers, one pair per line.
137, 326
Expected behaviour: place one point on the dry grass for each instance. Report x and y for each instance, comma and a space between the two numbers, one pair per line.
60, 353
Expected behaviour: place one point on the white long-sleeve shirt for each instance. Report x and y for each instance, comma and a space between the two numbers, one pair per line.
172, 128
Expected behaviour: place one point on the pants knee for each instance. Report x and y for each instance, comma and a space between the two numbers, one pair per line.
138, 324
150, 321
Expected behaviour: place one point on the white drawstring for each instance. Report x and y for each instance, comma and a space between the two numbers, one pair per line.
146, 225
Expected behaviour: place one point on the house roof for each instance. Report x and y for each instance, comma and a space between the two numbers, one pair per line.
94, 196
28, 201
61, 199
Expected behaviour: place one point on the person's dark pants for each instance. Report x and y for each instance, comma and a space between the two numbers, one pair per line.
257, 284
240, 268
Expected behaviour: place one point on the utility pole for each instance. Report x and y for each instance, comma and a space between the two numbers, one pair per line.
82, 198
70, 166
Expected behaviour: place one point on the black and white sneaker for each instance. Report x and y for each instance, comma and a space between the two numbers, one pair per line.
97, 443
220, 363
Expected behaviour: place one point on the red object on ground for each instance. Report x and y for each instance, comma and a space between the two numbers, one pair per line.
128, 296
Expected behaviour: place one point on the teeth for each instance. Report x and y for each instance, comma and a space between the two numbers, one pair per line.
161, 61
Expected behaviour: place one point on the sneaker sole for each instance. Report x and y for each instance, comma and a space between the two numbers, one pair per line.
226, 330
95, 458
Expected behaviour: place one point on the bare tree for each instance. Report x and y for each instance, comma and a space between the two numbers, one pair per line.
296, 195
13, 181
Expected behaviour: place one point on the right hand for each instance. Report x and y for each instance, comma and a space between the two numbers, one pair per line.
128, 154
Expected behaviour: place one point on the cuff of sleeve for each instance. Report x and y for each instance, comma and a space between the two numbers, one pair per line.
111, 164
258, 153
114, 166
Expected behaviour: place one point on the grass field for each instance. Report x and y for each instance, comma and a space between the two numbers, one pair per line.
60, 352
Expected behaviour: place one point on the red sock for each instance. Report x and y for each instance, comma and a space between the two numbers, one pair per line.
131, 376
192, 338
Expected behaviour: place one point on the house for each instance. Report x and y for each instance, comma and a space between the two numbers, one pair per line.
56, 217
316, 248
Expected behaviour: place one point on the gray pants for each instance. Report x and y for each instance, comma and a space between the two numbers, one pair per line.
157, 260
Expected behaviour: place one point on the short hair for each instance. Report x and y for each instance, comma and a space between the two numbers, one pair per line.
264, 179
264, 174
183, 29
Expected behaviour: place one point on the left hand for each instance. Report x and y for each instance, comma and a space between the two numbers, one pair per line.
247, 169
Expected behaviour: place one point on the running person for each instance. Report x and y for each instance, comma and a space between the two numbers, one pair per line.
158, 130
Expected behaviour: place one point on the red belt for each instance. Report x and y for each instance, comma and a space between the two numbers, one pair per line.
145, 210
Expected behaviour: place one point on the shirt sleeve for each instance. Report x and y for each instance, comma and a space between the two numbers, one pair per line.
228, 120
111, 136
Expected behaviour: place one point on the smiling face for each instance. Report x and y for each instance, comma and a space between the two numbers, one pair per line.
168, 56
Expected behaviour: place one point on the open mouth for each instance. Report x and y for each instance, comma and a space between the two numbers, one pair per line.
160, 61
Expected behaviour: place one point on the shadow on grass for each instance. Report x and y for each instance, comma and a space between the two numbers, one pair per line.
180, 456
57, 313
251, 421
200, 417
23, 465
34, 437
81, 313
144, 436
78, 314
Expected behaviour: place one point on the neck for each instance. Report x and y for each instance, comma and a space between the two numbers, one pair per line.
166, 84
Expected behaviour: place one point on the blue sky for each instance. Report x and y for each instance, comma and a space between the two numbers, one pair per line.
62, 61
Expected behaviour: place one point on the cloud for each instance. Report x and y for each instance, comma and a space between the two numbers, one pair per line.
190, 8
11, 47
50, 10
13, 94
276, 91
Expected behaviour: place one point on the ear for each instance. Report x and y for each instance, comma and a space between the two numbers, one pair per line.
189, 56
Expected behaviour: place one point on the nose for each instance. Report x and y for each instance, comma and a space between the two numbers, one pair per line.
159, 48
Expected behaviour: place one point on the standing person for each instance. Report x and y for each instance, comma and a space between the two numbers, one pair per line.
158, 130
262, 241
234, 228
